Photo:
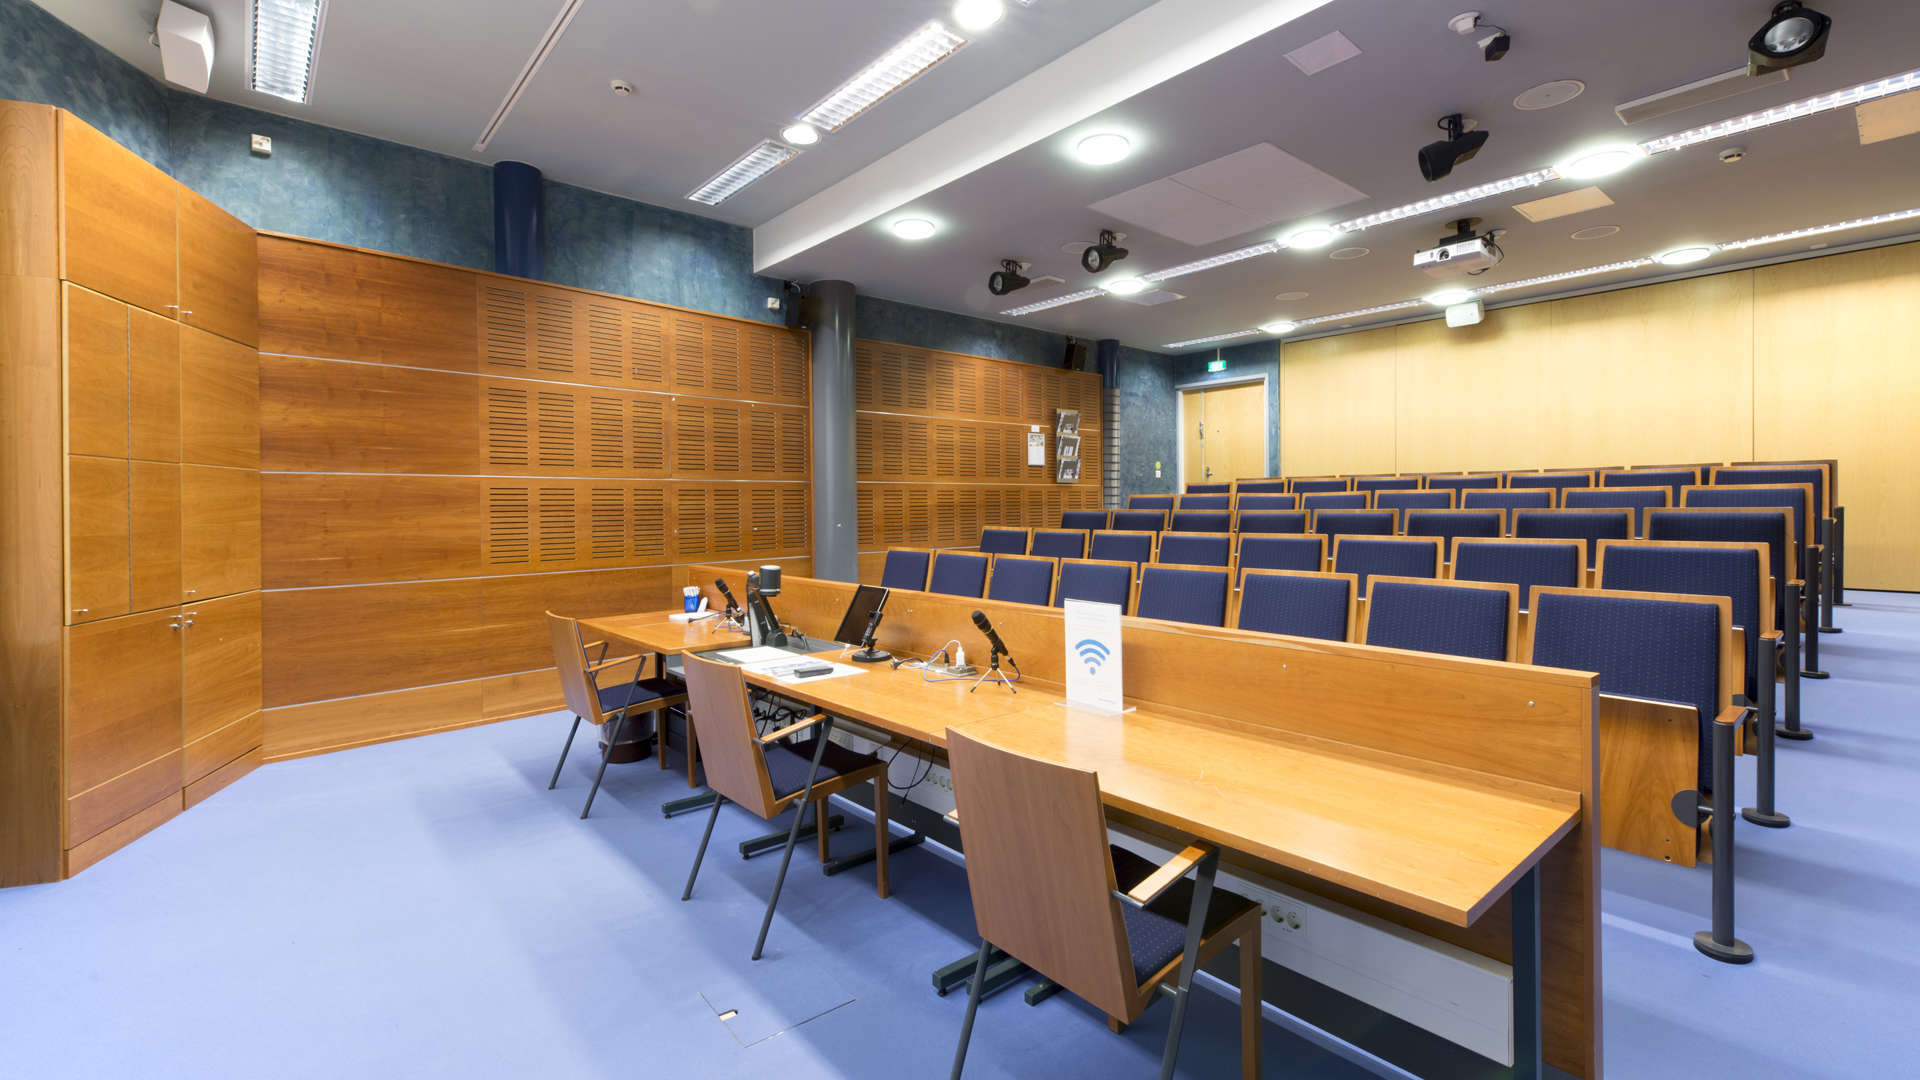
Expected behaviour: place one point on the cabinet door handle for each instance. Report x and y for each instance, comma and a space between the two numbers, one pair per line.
79, 611
193, 592
184, 313
173, 626
189, 622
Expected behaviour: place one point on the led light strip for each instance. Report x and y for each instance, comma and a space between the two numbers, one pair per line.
1223, 259
1566, 275
1209, 340
1819, 230
896, 68
1058, 301
1448, 201
1780, 114
753, 165
1381, 309
286, 42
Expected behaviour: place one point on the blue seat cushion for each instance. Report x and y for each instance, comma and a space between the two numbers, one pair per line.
1438, 618
1157, 933
787, 764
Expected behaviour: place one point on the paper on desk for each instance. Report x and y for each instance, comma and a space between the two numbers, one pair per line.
782, 669
757, 654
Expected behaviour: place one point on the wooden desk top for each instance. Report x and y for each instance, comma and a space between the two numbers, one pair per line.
652, 631
1382, 825
902, 702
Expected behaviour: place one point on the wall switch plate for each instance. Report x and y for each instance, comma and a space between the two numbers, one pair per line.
262, 145
773, 303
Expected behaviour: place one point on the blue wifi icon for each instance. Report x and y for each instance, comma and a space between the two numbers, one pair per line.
1092, 653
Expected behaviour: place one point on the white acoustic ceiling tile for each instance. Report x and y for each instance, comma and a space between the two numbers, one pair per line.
1174, 210
1270, 184
1322, 53
1888, 118
1153, 297
1571, 202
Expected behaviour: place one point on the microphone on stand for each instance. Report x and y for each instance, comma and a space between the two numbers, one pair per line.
868, 654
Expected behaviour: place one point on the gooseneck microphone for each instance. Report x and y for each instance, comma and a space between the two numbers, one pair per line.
732, 604
997, 649
868, 654
993, 639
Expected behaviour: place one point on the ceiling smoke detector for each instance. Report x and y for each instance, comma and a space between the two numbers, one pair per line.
620, 87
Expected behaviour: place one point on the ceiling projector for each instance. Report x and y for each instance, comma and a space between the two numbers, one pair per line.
1461, 253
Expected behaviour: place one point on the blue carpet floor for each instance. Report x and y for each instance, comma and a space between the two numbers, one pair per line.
428, 909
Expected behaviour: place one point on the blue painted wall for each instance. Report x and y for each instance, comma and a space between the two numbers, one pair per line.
1149, 407
45, 61
905, 324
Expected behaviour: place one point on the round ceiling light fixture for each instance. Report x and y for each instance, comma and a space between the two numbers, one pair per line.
978, 14
1549, 94
1593, 232
1685, 256
1126, 286
1600, 161
1103, 148
1297, 294
800, 134
913, 228
1449, 297
1348, 254
1311, 238
1279, 326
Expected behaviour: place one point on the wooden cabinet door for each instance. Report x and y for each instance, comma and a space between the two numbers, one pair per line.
219, 400
154, 544
219, 271
96, 332
219, 531
118, 215
222, 682
97, 538
122, 680
153, 353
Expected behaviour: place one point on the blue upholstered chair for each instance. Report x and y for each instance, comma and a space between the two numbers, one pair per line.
1196, 549
1737, 572
1661, 647
1285, 551
1267, 501
1303, 603
958, 573
1334, 500
1456, 618
1003, 541
1315, 484
1267, 486
1414, 500
1133, 547
1138, 521
1188, 594
1355, 522
1021, 580
1672, 479
1101, 582
905, 568
1200, 521
1521, 563
1386, 483
1206, 502
1528, 498
1763, 526
1084, 520
1592, 526
1397, 556
1637, 499
1450, 525
1058, 544
1209, 489
1783, 473
1475, 482
1270, 521
1556, 481
1150, 502
1798, 498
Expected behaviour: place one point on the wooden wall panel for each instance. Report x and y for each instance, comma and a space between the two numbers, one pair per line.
1337, 404
325, 301
1470, 398
319, 529
117, 220
319, 644
219, 270
219, 401
322, 416
29, 199
219, 531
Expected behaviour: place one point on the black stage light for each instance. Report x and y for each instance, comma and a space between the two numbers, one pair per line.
1103, 254
1438, 159
1795, 35
1007, 279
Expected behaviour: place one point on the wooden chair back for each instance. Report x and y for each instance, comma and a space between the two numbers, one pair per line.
570, 656
1039, 871
729, 749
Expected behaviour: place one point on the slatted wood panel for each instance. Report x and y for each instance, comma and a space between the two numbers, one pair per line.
940, 445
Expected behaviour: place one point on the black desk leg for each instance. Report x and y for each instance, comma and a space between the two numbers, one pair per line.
1528, 1043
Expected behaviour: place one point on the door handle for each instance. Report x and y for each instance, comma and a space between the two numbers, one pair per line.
173, 625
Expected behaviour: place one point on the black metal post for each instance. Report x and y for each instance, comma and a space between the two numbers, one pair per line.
571, 732
1840, 557
701, 853
1189, 958
613, 740
1719, 942
793, 835
1791, 667
1528, 1043
1762, 811
973, 1005
691, 802
1827, 579
1810, 616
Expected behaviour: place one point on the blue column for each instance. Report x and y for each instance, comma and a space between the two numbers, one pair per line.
519, 223
829, 308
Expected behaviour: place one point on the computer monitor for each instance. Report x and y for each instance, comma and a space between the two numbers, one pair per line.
866, 600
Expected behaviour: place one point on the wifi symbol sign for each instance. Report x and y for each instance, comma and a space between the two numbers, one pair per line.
1092, 653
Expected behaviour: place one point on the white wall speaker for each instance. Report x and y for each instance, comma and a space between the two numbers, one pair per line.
186, 46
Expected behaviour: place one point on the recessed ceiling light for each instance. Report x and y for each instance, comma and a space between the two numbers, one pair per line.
1297, 294
1281, 326
1104, 148
1685, 256
978, 14
801, 134
1600, 161
1126, 286
286, 41
1593, 232
896, 68
1347, 254
1311, 238
1549, 94
751, 166
1449, 297
913, 228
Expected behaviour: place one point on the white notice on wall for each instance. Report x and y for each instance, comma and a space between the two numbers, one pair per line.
1093, 656
1036, 447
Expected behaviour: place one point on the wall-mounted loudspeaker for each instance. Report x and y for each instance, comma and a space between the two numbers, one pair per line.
1077, 356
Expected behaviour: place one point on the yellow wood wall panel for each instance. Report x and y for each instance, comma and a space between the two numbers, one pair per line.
219, 400
365, 639
1834, 369
322, 416
29, 199
319, 529
118, 723
219, 271
156, 534
98, 538
1337, 405
153, 345
99, 808
133, 828
199, 790
97, 373
219, 531
338, 303
526, 693
221, 681
1470, 398
321, 726
218, 748
117, 220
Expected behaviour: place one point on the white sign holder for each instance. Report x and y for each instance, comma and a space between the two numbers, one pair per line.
1093, 661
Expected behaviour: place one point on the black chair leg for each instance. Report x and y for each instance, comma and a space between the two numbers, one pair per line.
718, 801
571, 732
793, 834
613, 738
973, 1005
1189, 959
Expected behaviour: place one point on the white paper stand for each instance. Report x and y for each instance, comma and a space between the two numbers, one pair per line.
1093, 660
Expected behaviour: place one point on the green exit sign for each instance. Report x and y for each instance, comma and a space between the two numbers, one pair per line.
1216, 365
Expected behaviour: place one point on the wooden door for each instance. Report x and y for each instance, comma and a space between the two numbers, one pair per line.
1237, 431
219, 400
219, 271
154, 543
117, 212
1193, 438
221, 695
219, 531
96, 339
122, 686
97, 538
153, 348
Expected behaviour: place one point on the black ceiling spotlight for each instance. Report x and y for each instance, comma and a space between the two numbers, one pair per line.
1494, 42
1103, 254
1438, 159
1008, 278
1795, 35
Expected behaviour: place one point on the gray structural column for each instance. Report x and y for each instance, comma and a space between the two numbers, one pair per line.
835, 520
1106, 360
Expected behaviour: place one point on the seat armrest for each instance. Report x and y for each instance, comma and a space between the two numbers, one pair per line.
1772, 635
953, 815
602, 665
1158, 882
790, 729
1732, 714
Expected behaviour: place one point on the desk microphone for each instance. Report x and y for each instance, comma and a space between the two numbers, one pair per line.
993, 639
732, 604
868, 654
997, 649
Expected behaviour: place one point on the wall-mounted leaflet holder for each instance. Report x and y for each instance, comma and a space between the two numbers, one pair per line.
1067, 471
1066, 422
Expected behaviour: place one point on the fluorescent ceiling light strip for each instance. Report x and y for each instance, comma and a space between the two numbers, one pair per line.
1448, 201
541, 51
896, 68
1819, 230
1567, 275
1780, 114
286, 42
1383, 308
1058, 301
1223, 259
1210, 340
753, 165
